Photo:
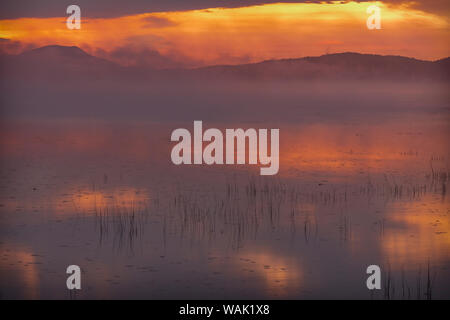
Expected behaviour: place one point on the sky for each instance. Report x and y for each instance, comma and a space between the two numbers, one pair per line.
177, 33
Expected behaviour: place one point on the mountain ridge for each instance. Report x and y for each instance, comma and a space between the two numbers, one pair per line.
54, 59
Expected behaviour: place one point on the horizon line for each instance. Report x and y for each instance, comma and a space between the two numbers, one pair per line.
228, 65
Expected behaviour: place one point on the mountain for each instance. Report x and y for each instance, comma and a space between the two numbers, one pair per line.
69, 54
50, 57
61, 62
57, 62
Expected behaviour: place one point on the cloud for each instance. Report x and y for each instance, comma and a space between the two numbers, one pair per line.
157, 22
145, 51
8, 46
12, 9
239, 35
130, 55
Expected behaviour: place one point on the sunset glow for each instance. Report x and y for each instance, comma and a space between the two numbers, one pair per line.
240, 35
196, 151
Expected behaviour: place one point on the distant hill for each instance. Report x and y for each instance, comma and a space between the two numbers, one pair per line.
61, 62
63, 56
59, 52
444, 63
349, 65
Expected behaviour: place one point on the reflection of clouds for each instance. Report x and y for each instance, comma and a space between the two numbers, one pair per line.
338, 149
68, 201
281, 275
66, 140
416, 232
20, 263
346, 149
154, 21
129, 198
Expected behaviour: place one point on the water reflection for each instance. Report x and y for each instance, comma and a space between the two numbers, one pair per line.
347, 195
281, 275
19, 270
417, 232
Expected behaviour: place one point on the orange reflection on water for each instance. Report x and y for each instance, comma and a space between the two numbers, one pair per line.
346, 149
20, 264
279, 273
129, 198
330, 147
417, 232
69, 139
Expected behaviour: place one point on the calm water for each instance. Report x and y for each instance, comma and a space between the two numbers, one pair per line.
352, 191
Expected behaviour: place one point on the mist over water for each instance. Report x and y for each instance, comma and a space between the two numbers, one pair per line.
86, 179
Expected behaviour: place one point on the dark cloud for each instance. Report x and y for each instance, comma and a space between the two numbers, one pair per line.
440, 7
11, 9
110, 8
157, 22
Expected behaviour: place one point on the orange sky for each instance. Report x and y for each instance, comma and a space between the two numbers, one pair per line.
239, 35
